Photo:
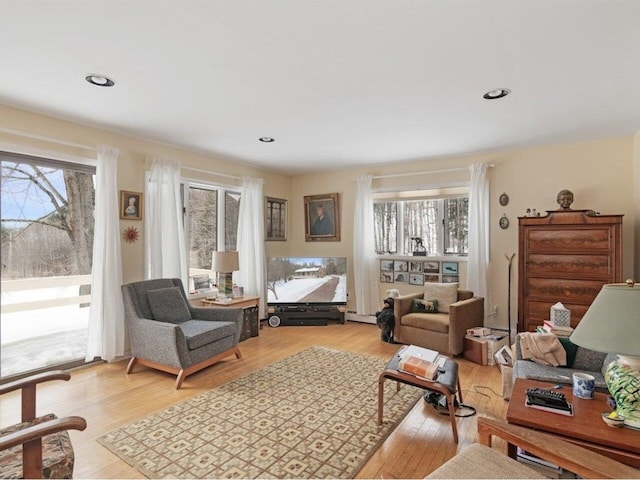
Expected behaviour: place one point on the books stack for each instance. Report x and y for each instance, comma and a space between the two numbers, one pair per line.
548, 327
420, 362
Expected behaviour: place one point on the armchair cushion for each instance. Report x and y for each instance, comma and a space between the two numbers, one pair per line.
435, 322
168, 305
424, 306
445, 293
201, 332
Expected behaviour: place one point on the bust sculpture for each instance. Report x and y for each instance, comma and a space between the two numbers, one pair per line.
565, 199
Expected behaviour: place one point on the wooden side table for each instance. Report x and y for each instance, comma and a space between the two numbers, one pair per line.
251, 306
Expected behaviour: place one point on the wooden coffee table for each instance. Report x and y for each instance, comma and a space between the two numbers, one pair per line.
584, 428
448, 383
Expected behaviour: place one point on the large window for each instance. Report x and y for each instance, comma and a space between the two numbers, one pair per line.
436, 219
47, 249
211, 221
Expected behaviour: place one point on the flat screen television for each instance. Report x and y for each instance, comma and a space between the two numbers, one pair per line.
307, 280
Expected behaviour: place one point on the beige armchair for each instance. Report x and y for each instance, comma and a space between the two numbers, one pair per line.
440, 331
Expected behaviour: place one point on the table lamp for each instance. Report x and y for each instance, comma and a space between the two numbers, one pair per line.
225, 263
612, 325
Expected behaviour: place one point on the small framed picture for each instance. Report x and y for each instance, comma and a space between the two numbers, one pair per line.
431, 267
386, 277
416, 279
400, 265
450, 268
415, 266
130, 205
401, 277
432, 278
386, 265
450, 278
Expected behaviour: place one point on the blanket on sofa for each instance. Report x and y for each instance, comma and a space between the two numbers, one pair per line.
543, 348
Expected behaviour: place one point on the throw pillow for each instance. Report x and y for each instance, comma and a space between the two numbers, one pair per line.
168, 305
445, 293
571, 349
424, 306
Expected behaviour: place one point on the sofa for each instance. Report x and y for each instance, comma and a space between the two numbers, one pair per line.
442, 330
579, 359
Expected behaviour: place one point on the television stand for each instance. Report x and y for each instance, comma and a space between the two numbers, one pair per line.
307, 314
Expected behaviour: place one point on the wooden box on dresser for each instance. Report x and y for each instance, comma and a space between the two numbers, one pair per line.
565, 256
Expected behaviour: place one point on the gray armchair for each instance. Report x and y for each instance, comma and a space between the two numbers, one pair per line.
168, 334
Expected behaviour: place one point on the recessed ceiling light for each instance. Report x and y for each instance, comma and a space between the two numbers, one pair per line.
496, 93
267, 139
99, 80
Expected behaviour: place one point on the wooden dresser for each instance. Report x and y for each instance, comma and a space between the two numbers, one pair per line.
565, 256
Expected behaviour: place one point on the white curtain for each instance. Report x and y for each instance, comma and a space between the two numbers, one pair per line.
106, 337
166, 255
364, 257
478, 263
251, 249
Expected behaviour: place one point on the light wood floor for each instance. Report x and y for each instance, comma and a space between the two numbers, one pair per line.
108, 398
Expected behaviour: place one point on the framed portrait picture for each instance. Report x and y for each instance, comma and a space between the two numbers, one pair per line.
450, 268
130, 205
416, 279
432, 278
401, 277
431, 267
450, 279
400, 265
322, 218
275, 217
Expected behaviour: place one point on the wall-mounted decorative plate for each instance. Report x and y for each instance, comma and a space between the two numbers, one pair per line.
504, 222
504, 199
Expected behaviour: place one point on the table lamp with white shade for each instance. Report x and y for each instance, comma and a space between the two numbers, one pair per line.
225, 263
612, 325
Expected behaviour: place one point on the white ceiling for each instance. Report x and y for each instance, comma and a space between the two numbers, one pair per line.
337, 83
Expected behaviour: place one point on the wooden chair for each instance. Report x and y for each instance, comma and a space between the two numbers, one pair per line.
38, 447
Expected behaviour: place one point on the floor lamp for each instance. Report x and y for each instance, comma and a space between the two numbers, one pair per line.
225, 263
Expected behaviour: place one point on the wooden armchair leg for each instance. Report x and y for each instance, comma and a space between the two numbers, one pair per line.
132, 364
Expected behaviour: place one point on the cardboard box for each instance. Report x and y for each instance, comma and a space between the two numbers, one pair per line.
493, 345
475, 349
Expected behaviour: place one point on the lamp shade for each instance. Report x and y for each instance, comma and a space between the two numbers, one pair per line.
224, 262
612, 323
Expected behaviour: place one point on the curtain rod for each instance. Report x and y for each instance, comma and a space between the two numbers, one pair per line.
209, 172
47, 139
444, 170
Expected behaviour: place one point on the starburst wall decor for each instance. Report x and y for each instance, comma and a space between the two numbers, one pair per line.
131, 235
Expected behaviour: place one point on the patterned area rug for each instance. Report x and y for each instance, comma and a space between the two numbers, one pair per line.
311, 415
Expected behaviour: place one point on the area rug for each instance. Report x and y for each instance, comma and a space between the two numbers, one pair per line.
311, 415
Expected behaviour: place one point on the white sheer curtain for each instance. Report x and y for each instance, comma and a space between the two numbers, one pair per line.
364, 257
165, 251
106, 337
251, 251
478, 263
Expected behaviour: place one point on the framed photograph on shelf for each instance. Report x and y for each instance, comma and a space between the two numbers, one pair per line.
401, 277
450, 268
275, 217
130, 205
432, 278
415, 266
400, 265
386, 277
416, 279
386, 265
431, 267
450, 278
322, 218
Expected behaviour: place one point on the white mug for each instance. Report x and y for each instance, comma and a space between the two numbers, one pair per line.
584, 385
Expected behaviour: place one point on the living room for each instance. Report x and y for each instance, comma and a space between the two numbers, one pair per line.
600, 166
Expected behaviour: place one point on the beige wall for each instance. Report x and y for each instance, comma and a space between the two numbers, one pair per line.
131, 166
600, 173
